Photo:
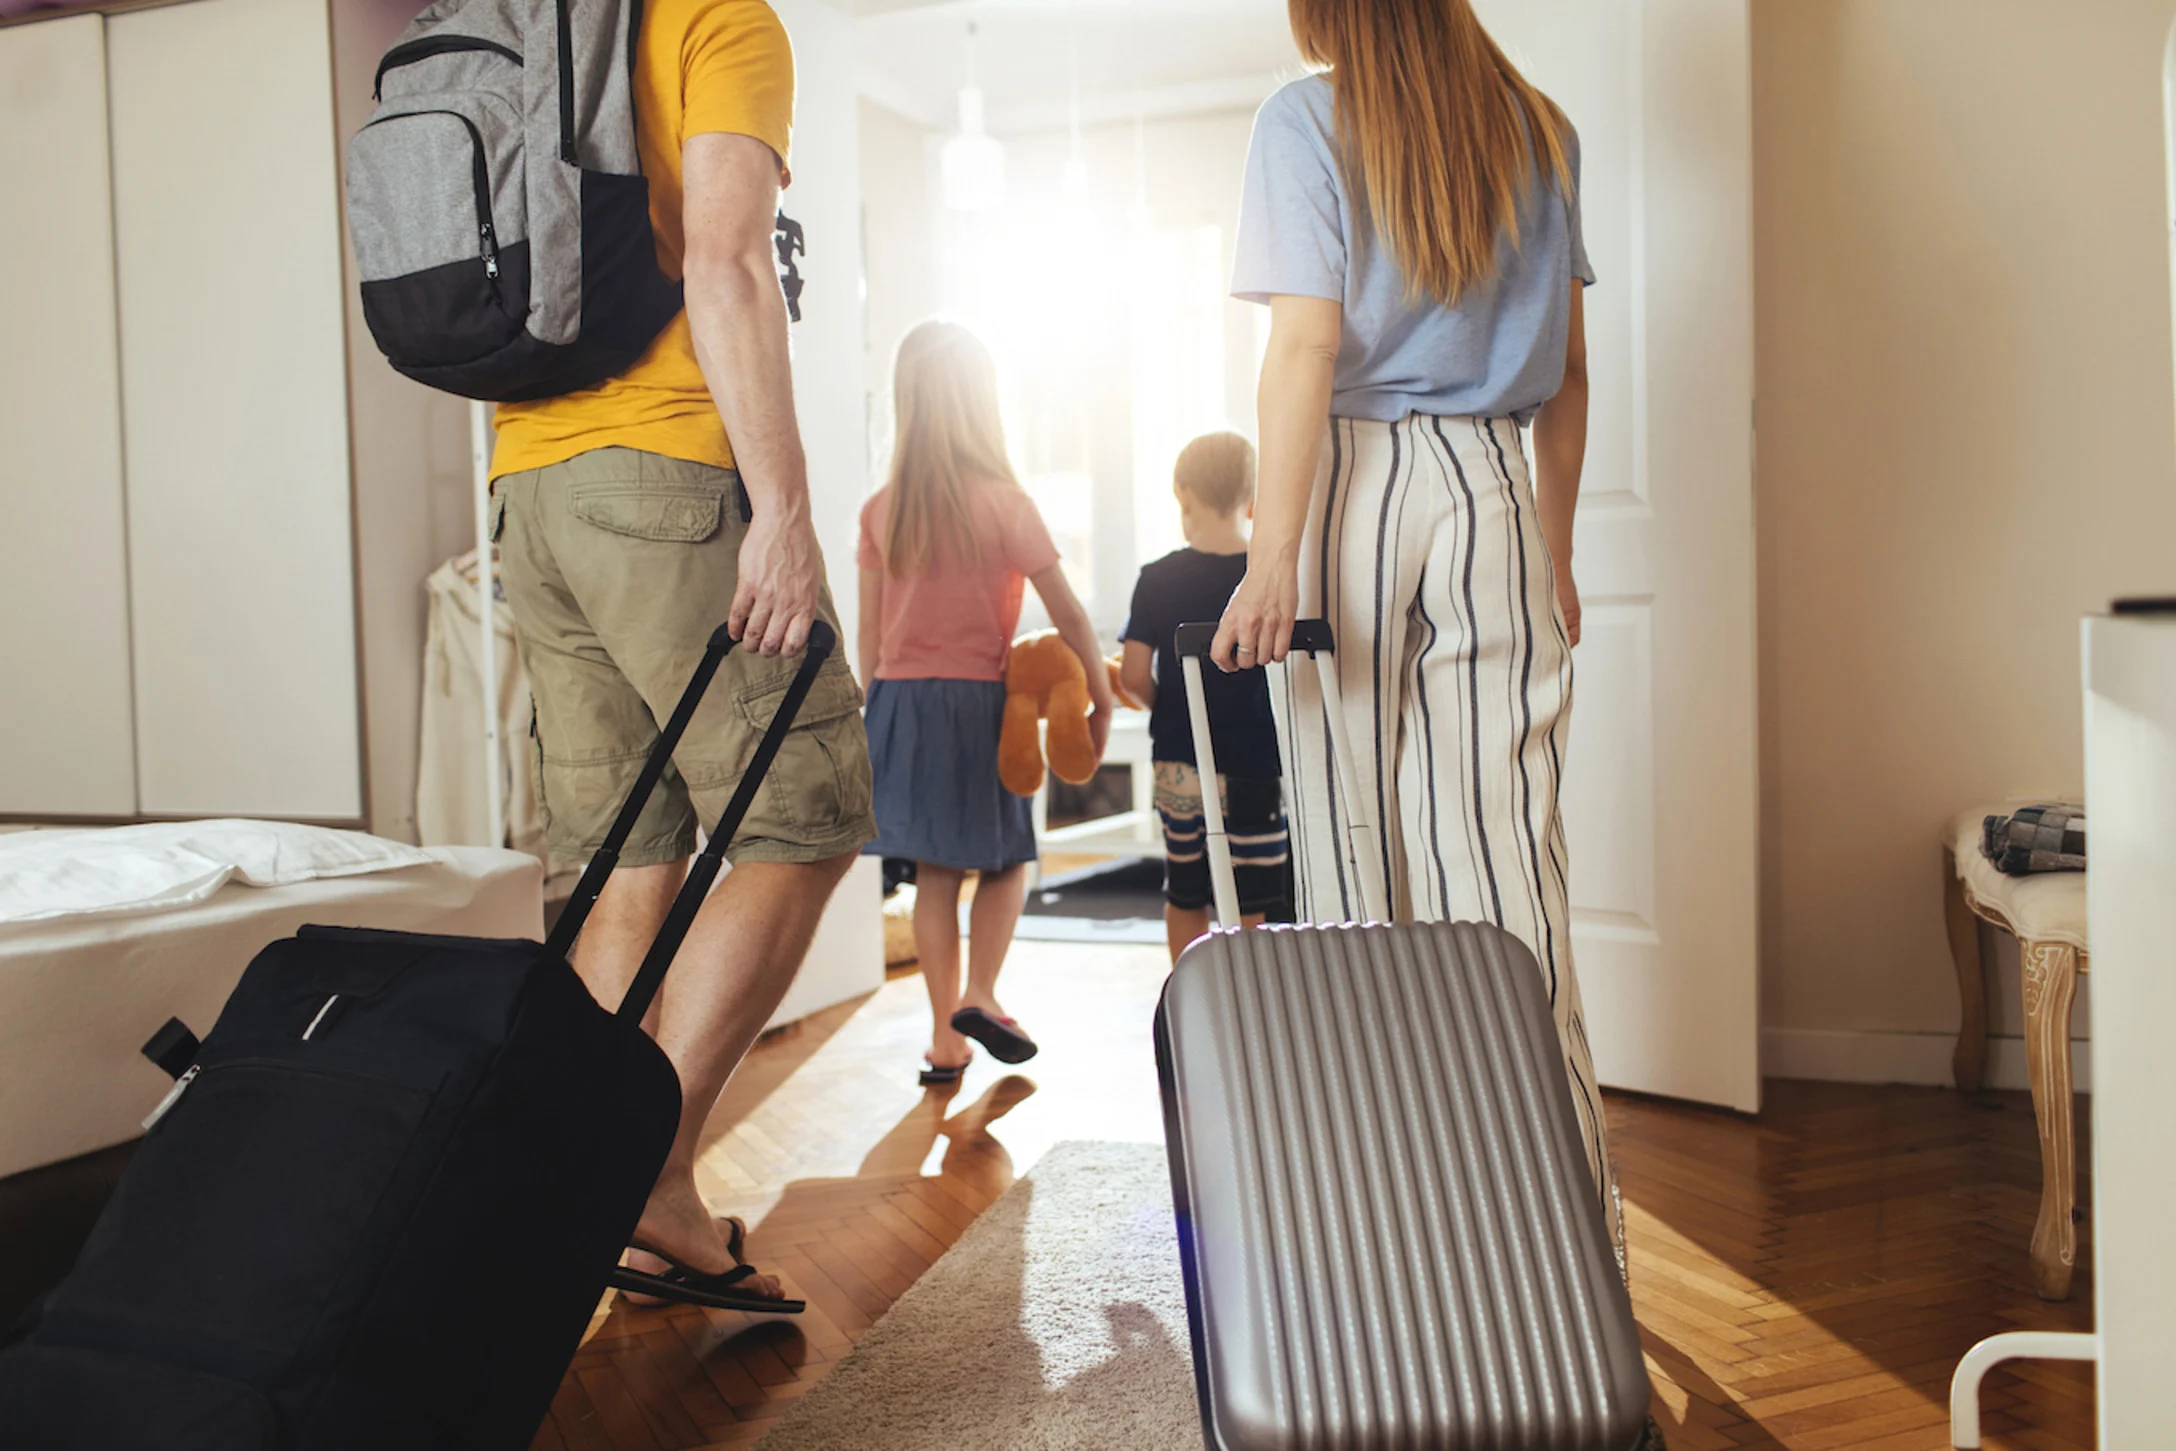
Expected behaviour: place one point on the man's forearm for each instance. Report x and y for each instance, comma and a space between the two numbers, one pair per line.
738, 317
1560, 451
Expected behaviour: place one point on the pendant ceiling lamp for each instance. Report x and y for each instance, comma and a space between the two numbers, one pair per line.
972, 162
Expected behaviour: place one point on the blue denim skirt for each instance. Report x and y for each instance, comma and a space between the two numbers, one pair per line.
934, 746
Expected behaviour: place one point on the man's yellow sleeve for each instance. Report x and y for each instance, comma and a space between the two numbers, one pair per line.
740, 76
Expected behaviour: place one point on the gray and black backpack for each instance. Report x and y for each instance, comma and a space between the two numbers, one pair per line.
500, 216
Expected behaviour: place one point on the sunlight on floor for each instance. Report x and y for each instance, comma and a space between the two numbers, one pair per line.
855, 1106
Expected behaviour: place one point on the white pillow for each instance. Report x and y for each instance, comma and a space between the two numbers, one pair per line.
130, 869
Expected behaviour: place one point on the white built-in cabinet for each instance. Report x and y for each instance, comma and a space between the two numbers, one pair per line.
178, 629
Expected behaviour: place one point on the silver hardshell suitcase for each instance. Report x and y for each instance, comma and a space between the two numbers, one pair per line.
1388, 1230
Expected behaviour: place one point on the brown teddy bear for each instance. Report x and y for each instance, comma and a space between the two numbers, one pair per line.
1043, 680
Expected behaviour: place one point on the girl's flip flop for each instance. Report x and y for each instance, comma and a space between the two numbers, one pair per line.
1002, 1036
936, 1077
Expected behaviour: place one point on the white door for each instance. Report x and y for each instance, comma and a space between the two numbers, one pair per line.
1661, 787
67, 745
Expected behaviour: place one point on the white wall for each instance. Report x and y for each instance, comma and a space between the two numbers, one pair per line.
848, 954
1964, 444
899, 234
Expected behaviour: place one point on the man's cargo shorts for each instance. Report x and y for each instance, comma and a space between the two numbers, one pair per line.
618, 566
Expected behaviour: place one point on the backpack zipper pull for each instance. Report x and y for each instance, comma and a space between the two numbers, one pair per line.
491, 251
173, 1096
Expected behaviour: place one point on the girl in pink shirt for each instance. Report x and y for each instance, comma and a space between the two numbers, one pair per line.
947, 547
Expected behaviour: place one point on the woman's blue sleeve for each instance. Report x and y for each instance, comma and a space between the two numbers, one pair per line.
1291, 238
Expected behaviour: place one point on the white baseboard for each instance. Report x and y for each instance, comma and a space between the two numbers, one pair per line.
1879, 1057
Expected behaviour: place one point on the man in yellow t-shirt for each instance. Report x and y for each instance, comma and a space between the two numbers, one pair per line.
633, 517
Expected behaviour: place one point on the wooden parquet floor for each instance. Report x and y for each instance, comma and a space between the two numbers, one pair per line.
1807, 1280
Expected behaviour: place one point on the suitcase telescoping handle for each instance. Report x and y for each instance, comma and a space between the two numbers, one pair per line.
1312, 638
822, 640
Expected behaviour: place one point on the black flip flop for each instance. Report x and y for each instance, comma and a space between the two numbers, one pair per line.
1002, 1036
692, 1287
935, 1077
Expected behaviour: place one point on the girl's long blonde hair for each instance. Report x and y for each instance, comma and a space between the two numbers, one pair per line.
1439, 130
944, 393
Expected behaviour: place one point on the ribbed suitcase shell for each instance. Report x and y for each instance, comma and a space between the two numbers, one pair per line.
1389, 1233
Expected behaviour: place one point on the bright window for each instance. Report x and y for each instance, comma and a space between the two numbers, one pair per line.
1111, 335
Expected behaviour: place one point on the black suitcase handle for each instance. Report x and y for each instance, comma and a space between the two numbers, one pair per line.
822, 640
1309, 637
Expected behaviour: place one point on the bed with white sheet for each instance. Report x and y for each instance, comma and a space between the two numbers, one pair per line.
105, 934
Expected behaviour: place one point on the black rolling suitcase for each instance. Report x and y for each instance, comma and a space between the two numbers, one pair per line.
386, 1193
1388, 1231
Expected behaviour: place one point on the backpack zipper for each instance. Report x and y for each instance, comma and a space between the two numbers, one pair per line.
424, 47
481, 176
567, 151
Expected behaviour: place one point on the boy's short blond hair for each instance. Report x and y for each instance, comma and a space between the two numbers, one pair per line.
1216, 470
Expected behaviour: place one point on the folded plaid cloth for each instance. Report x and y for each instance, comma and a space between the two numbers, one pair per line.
2036, 839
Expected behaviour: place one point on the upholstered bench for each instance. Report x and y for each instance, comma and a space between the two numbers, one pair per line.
2046, 914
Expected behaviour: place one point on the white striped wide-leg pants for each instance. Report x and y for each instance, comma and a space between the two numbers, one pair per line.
1425, 553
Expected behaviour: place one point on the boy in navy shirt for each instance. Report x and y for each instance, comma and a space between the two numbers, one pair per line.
1214, 482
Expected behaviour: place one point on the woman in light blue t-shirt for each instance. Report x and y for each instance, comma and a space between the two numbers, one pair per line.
1411, 218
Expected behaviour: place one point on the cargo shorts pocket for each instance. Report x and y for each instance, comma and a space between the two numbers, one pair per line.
675, 513
820, 784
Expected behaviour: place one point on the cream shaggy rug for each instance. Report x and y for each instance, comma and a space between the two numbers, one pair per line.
1056, 1323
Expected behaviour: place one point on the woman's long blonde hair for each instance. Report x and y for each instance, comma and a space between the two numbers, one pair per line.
1438, 128
944, 396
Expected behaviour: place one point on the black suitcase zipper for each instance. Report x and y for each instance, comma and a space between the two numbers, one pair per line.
480, 175
424, 47
283, 1065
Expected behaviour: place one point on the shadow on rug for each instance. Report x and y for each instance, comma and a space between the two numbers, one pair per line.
1056, 1322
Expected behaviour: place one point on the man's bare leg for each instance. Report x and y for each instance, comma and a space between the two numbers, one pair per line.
620, 928
740, 956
